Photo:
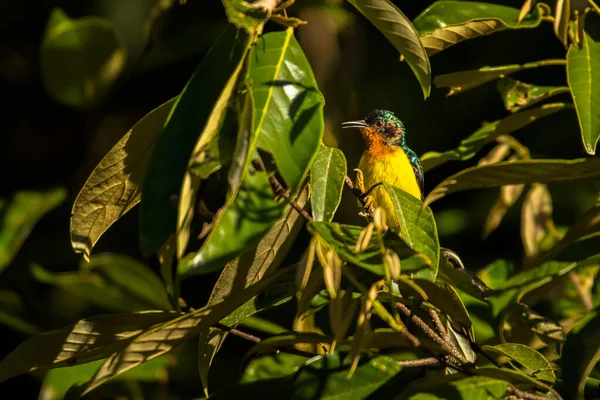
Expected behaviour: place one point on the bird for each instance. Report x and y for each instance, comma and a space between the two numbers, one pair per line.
387, 158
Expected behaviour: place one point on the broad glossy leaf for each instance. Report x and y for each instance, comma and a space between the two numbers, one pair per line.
20, 215
536, 364
474, 387
272, 366
325, 377
87, 340
462, 81
535, 216
188, 118
417, 228
288, 105
582, 64
114, 186
343, 239
398, 29
80, 59
580, 354
488, 132
326, 183
518, 95
515, 172
163, 338
446, 23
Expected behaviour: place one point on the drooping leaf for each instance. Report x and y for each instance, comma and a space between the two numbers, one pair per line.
288, 105
20, 215
114, 186
326, 183
487, 133
518, 95
515, 172
80, 59
163, 338
188, 118
398, 29
87, 340
462, 81
474, 387
535, 216
446, 23
324, 377
417, 228
536, 364
547, 329
581, 66
509, 194
580, 354
343, 239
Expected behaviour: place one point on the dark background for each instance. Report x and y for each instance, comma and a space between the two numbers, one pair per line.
45, 144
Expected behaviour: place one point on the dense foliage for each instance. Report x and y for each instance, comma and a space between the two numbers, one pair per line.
235, 186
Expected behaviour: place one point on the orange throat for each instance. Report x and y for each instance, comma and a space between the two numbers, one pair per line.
377, 148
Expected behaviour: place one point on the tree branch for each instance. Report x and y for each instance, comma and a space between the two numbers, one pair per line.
279, 190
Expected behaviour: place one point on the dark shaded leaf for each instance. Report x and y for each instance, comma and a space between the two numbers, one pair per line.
401, 33
548, 330
444, 297
536, 214
454, 272
326, 183
272, 366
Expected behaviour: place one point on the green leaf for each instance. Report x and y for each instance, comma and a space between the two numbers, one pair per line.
87, 340
518, 95
417, 228
535, 363
581, 66
535, 216
163, 338
114, 186
323, 377
513, 375
548, 330
462, 81
245, 16
326, 183
272, 366
20, 216
398, 29
580, 354
474, 387
446, 23
487, 133
454, 272
514, 172
288, 105
80, 59
343, 239
188, 118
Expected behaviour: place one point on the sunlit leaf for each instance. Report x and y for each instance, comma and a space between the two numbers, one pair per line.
114, 187
343, 239
581, 66
163, 338
398, 29
488, 132
20, 215
515, 172
87, 340
462, 81
322, 377
535, 363
326, 183
518, 95
446, 23
580, 354
188, 118
288, 105
526, 8
562, 17
536, 214
80, 59
417, 228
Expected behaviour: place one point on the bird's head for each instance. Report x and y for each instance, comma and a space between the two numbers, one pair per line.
380, 124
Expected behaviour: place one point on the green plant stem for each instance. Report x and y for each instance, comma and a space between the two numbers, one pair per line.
381, 311
594, 6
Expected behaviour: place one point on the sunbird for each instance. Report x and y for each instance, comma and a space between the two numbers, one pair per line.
387, 158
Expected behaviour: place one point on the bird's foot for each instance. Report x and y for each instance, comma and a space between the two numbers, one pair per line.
368, 208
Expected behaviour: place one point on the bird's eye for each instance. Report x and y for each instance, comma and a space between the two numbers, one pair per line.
379, 123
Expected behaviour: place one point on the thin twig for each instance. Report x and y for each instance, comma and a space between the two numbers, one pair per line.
279, 190
437, 322
587, 301
421, 362
524, 395
237, 332
429, 332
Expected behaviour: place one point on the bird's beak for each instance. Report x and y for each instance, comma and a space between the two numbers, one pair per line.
359, 124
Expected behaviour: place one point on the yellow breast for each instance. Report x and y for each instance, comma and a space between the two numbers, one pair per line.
391, 166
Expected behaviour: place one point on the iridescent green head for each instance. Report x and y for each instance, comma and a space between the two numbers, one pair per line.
384, 123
